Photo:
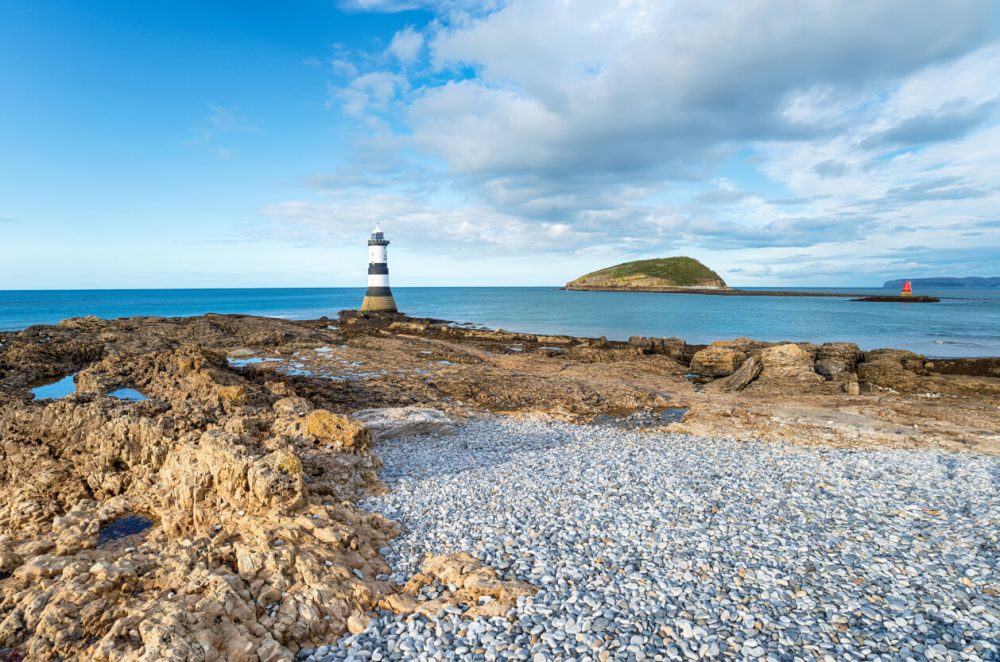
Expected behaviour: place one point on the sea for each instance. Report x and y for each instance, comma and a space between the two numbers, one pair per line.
966, 323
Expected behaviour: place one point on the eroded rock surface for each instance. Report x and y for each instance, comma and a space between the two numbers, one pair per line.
254, 552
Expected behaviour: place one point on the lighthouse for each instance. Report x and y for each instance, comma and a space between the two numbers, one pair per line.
378, 296
907, 290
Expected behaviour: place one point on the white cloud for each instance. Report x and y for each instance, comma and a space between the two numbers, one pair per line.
370, 94
406, 45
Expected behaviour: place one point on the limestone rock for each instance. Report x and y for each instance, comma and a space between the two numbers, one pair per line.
717, 361
467, 582
254, 537
838, 359
357, 623
892, 368
744, 375
673, 347
394, 422
788, 366
743, 344
338, 431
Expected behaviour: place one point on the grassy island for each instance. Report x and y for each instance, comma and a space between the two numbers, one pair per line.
654, 274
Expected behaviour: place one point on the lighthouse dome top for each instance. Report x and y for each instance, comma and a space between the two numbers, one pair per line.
378, 238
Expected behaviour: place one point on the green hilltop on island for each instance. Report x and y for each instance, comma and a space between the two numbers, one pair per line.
658, 274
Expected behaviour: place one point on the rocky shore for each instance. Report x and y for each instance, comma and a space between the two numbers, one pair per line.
234, 509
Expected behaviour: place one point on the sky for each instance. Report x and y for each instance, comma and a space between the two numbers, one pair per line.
250, 143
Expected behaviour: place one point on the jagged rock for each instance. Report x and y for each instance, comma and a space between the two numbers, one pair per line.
292, 407
393, 422
717, 361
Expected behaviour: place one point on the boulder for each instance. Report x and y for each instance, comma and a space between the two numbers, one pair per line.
788, 365
717, 361
892, 368
783, 368
394, 422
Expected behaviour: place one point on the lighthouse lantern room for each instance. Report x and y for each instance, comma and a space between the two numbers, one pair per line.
378, 296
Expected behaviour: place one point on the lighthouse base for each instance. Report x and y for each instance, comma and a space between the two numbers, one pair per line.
378, 304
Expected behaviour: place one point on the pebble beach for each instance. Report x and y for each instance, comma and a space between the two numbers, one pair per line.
657, 546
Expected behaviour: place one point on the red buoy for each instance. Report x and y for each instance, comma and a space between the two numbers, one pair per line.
907, 290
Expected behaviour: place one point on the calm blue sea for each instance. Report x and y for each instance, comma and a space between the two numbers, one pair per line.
965, 323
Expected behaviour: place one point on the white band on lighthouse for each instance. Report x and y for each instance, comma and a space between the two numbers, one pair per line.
378, 296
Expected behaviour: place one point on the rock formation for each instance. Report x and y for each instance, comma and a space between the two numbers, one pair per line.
253, 552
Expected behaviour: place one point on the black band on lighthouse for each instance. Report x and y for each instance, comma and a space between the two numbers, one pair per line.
378, 292
378, 268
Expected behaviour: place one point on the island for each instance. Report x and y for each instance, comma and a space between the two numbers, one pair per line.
651, 275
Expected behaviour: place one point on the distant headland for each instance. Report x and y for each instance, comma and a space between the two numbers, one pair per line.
972, 281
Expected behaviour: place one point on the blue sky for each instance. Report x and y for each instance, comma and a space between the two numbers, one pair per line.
222, 144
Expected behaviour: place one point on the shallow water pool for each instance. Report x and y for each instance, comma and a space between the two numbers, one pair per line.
54, 389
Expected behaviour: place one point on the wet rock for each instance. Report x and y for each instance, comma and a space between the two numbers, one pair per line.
127, 526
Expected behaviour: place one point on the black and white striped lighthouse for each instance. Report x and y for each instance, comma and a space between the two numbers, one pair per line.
378, 296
